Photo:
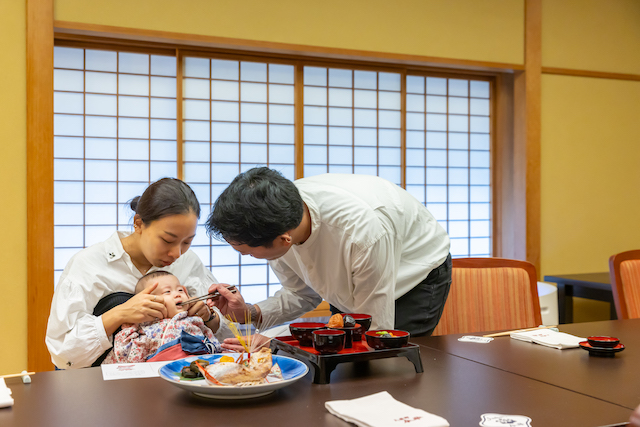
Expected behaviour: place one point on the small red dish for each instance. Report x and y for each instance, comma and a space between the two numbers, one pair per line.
362, 319
328, 341
379, 341
302, 331
601, 351
603, 342
350, 334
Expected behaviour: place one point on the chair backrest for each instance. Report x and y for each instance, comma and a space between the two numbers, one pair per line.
624, 269
490, 294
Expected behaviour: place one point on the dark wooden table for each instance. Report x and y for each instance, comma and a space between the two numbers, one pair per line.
457, 389
615, 380
596, 286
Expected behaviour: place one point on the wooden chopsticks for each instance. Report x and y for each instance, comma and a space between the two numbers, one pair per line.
501, 334
212, 295
17, 375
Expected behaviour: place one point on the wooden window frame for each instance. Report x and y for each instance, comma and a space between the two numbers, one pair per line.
515, 131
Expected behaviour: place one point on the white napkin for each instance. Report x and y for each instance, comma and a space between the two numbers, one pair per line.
550, 338
276, 331
382, 410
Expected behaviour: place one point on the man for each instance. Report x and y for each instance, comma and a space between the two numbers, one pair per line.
359, 242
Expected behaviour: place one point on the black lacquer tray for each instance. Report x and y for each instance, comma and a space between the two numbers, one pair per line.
324, 364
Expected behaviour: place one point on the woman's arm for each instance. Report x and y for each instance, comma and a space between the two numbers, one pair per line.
75, 337
142, 307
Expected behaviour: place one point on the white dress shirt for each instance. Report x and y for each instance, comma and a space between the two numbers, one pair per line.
75, 337
371, 242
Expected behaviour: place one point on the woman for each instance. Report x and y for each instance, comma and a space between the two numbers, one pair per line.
165, 221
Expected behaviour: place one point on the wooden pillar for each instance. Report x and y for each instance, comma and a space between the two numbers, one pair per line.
39, 179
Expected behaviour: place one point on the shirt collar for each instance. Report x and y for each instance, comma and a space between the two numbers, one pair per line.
113, 246
314, 216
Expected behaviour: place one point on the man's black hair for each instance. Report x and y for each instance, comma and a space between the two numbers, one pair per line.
258, 206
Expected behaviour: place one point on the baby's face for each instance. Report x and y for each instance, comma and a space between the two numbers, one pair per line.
173, 292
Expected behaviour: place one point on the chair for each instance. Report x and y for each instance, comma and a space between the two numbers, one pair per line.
624, 270
490, 294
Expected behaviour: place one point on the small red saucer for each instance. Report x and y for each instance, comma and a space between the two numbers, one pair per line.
601, 351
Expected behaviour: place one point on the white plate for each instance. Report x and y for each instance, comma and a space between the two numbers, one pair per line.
292, 371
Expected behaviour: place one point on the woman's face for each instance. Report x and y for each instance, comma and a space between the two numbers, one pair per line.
164, 240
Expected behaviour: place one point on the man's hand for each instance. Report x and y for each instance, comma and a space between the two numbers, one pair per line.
257, 342
230, 304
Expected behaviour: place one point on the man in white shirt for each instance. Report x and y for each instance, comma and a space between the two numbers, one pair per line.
359, 242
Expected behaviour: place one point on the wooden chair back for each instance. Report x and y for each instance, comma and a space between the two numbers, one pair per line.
490, 294
624, 269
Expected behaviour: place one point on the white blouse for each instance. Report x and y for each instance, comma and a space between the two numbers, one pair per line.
75, 337
371, 242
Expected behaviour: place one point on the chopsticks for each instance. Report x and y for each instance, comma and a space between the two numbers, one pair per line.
212, 295
500, 334
17, 375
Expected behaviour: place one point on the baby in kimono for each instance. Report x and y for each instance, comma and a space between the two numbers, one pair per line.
173, 337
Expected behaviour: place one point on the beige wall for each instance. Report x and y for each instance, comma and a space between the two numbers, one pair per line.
591, 35
13, 171
487, 30
590, 139
480, 30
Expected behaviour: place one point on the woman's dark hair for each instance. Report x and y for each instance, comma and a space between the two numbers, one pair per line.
258, 206
167, 196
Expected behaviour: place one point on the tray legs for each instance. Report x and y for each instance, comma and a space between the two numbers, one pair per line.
414, 357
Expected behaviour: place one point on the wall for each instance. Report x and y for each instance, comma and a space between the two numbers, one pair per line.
590, 139
13, 170
488, 30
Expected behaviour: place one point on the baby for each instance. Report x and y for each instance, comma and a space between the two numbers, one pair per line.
163, 339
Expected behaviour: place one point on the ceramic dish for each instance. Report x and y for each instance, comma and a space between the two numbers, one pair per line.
601, 351
292, 371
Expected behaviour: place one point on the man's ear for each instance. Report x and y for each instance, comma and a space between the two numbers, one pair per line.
286, 239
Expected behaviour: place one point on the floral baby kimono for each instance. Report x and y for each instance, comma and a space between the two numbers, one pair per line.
165, 339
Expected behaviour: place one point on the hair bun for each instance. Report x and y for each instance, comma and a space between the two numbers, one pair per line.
134, 203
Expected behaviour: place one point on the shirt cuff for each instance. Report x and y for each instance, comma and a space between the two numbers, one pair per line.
104, 340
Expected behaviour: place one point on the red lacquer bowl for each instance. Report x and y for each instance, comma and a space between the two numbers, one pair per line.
328, 341
603, 342
378, 341
302, 332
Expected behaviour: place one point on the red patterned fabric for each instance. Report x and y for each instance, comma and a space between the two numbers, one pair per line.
487, 299
630, 274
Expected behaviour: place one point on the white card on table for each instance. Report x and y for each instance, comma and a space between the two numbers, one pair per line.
121, 371
501, 420
471, 338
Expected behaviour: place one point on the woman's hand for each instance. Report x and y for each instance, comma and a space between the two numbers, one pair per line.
257, 342
230, 304
142, 307
634, 421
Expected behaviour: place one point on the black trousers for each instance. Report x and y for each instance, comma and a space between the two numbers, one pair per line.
419, 310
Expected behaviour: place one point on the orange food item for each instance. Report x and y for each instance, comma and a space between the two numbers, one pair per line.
336, 321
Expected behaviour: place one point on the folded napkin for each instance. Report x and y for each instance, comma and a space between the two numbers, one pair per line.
550, 338
382, 410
